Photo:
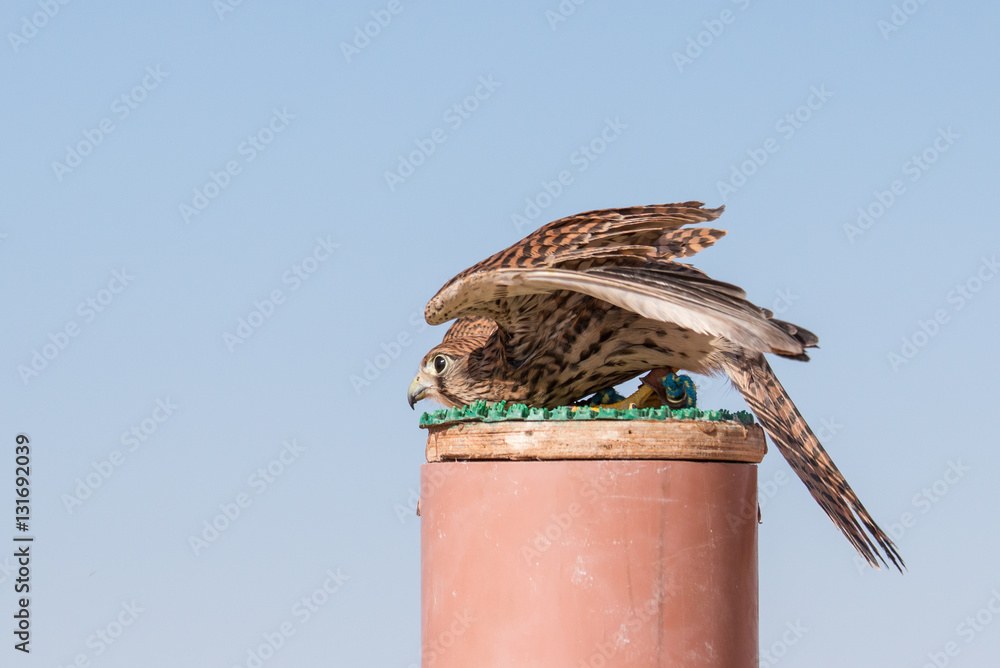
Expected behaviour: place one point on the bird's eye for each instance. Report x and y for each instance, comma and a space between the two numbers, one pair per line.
440, 363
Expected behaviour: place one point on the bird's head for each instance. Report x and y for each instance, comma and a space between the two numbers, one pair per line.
443, 374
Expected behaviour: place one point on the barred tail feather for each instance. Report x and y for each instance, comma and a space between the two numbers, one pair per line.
753, 377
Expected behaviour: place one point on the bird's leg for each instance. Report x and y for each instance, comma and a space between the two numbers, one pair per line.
654, 380
672, 390
659, 387
644, 397
649, 395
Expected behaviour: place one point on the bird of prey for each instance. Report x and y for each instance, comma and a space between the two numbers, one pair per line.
590, 301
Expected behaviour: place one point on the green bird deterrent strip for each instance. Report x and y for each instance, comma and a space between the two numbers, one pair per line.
480, 411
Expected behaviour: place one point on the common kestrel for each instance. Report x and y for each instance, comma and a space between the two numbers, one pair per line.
590, 301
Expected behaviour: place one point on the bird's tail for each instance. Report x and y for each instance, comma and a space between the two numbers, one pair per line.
753, 377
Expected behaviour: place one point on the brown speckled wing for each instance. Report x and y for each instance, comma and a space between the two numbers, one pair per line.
477, 326
687, 241
620, 256
638, 231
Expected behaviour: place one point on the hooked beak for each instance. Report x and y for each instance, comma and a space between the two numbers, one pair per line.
418, 389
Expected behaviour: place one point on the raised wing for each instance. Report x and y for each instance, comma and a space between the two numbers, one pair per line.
620, 256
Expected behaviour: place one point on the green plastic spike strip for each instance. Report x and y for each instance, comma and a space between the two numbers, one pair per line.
480, 411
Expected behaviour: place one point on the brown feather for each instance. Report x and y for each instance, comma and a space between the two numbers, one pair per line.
753, 377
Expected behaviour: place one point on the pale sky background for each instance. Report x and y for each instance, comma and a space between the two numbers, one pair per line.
328, 126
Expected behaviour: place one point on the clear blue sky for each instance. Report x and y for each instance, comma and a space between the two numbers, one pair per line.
173, 169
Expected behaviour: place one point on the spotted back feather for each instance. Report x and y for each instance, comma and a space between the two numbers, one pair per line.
687, 241
471, 327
